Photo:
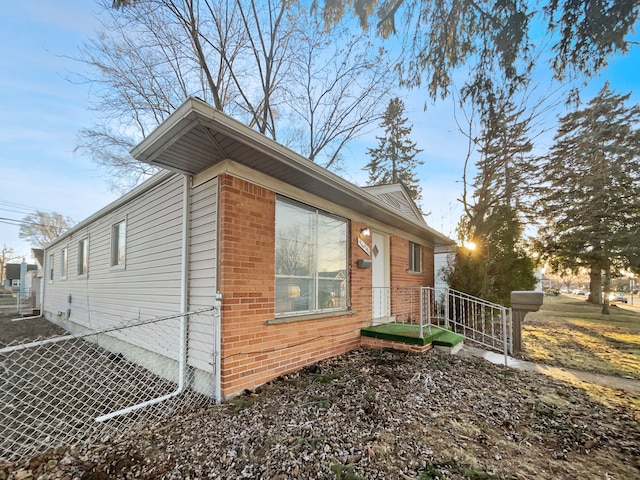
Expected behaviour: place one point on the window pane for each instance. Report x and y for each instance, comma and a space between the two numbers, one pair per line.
119, 241
294, 240
415, 257
83, 252
63, 263
311, 259
332, 244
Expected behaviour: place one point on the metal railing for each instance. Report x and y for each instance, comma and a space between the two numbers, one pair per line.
79, 387
481, 322
26, 301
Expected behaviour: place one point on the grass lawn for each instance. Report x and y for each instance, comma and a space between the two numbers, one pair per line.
7, 300
571, 333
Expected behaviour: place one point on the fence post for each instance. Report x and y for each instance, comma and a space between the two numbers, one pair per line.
447, 299
217, 316
504, 336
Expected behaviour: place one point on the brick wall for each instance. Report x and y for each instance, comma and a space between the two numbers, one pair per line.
252, 351
400, 276
405, 292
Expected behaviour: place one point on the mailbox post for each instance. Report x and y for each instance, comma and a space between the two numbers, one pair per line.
522, 303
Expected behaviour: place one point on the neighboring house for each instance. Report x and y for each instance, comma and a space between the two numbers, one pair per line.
14, 276
295, 250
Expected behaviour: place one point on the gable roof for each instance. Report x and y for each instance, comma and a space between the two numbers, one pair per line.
197, 136
397, 196
12, 270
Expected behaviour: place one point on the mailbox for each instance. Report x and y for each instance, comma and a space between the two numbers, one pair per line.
522, 302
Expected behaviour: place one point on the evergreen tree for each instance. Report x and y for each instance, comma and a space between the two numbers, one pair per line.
394, 161
503, 170
499, 263
590, 200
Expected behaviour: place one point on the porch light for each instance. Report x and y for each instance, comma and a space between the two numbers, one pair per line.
365, 232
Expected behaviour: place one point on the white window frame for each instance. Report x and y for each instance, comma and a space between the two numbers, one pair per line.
118, 263
52, 260
15, 282
317, 302
83, 257
64, 263
415, 257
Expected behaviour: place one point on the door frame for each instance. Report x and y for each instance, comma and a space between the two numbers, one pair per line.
380, 278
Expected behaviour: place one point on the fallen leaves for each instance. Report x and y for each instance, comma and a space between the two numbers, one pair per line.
375, 415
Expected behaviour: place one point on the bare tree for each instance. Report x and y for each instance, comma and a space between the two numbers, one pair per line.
40, 228
339, 81
270, 64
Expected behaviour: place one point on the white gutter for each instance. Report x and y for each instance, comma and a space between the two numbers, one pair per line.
184, 298
217, 355
184, 281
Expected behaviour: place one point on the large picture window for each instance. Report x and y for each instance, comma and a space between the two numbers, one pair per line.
311, 259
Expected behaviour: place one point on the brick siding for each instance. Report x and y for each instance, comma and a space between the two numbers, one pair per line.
254, 352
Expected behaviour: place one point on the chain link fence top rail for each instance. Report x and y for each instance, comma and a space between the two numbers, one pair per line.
64, 390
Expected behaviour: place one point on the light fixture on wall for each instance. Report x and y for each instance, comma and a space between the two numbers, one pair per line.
365, 232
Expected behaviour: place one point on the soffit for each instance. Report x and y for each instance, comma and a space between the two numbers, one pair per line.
196, 137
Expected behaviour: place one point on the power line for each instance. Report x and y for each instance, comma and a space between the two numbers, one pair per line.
13, 221
25, 209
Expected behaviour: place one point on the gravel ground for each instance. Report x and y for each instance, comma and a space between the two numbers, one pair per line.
374, 415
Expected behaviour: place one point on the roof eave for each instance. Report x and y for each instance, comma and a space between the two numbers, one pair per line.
196, 114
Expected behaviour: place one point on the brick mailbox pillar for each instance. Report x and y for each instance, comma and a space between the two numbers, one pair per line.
521, 304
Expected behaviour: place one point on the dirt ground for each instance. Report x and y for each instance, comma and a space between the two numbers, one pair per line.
374, 415
25, 330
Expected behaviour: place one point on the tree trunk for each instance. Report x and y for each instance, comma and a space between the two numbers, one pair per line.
607, 288
595, 286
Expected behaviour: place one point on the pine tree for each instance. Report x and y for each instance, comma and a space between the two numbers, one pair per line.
499, 263
394, 161
590, 200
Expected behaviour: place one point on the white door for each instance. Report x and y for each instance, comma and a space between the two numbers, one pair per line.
380, 278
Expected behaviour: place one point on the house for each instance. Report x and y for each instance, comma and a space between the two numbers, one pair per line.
295, 251
14, 276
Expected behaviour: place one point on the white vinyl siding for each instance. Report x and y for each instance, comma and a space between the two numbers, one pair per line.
202, 271
150, 285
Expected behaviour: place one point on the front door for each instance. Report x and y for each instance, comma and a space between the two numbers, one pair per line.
380, 277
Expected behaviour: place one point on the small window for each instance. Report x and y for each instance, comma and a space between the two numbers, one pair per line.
83, 256
118, 244
15, 282
51, 260
63, 263
415, 257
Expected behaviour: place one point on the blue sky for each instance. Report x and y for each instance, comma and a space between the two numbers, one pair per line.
42, 111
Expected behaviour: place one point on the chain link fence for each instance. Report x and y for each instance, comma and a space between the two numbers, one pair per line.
91, 386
